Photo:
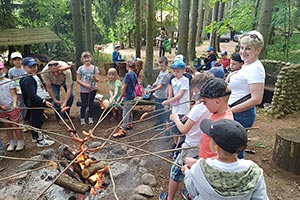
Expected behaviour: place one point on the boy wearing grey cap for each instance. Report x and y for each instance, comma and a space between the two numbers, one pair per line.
225, 176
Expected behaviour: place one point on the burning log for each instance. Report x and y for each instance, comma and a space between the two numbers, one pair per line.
72, 184
89, 171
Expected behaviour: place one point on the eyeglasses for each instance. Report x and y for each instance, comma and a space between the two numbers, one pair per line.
252, 36
52, 64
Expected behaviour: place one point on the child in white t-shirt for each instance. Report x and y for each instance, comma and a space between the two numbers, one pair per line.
192, 134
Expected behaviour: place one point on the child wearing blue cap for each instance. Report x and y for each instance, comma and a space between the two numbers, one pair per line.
180, 100
211, 56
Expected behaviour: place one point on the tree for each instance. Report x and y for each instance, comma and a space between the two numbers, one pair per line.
206, 19
214, 19
199, 23
148, 72
183, 27
193, 31
137, 28
88, 25
265, 20
78, 29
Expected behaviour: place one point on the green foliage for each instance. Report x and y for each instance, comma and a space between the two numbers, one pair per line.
100, 58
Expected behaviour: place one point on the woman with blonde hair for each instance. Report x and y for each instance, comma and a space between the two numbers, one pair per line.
247, 85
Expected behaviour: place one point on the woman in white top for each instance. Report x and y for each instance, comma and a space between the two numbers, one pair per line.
247, 85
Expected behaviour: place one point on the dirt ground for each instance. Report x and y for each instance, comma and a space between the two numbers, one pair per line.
280, 184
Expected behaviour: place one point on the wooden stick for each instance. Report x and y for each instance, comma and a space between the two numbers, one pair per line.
113, 183
24, 172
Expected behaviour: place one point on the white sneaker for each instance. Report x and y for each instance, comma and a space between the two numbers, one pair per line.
44, 143
11, 146
20, 145
91, 121
82, 122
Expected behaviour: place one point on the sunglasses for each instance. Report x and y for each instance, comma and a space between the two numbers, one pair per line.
52, 64
252, 36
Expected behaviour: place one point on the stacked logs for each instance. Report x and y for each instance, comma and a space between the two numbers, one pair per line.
286, 98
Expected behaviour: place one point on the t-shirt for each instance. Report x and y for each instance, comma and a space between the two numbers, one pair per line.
204, 150
196, 114
162, 79
64, 77
15, 73
113, 85
225, 62
5, 97
86, 77
40, 91
187, 75
131, 80
181, 106
240, 81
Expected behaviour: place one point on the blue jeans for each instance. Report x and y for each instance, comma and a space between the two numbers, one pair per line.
127, 118
1, 148
161, 118
87, 100
56, 91
246, 118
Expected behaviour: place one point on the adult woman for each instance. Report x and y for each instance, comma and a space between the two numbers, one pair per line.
247, 85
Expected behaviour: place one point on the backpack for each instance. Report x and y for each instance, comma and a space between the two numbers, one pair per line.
197, 62
139, 89
167, 45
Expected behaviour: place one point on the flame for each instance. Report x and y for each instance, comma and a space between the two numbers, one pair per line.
80, 160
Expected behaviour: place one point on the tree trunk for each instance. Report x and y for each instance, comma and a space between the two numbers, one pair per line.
220, 18
148, 78
183, 27
193, 31
78, 29
137, 29
206, 19
88, 25
199, 23
264, 23
129, 39
256, 6
286, 153
214, 17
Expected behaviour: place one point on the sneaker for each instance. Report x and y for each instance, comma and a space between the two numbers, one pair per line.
120, 133
11, 146
34, 140
44, 143
157, 129
173, 146
20, 145
91, 120
82, 122
163, 196
185, 194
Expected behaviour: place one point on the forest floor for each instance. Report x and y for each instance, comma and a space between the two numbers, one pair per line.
280, 184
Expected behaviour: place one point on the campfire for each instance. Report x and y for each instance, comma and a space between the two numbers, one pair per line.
86, 174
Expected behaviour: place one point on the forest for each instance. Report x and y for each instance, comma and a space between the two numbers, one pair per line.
81, 24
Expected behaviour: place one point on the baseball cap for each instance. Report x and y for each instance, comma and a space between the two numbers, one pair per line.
1, 65
210, 49
228, 134
214, 88
236, 57
224, 53
29, 61
177, 64
16, 55
180, 57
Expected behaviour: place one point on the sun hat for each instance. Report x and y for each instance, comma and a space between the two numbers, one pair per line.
210, 49
117, 46
177, 64
228, 134
180, 57
29, 61
16, 55
214, 88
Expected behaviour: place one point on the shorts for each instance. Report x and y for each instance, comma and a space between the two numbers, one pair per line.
174, 128
12, 115
176, 173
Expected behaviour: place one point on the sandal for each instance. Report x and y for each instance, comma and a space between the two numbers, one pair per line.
120, 133
129, 127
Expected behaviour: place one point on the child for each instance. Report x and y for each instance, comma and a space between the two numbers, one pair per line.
29, 87
236, 64
193, 136
14, 73
116, 56
225, 176
211, 56
115, 90
159, 88
225, 62
129, 82
87, 77
180, 100
9, 111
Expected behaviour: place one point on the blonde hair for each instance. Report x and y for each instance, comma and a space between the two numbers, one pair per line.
83, 54
114, 72
253, 38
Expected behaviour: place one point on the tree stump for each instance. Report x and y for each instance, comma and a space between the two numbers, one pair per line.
286, 153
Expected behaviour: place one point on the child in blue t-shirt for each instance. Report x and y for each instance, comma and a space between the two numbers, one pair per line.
128, 94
